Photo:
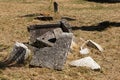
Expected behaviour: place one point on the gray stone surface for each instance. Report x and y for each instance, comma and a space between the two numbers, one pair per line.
48, 39
53, 57
38, 30
57, 32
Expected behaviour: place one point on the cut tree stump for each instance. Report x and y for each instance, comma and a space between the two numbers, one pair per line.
19, 54
53, 57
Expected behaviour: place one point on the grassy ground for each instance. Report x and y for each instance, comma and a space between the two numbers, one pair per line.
88, 14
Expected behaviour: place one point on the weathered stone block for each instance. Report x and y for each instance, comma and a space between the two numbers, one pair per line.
53, 57
38, 30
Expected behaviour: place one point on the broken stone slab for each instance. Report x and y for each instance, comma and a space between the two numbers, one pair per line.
86, 62
53, 57
94, 45
48, 39
19, 54
57, 32
38, 30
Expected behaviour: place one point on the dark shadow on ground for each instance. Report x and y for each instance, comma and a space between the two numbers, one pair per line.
105, 1
100, 27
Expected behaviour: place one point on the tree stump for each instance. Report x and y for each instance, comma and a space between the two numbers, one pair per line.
19, 54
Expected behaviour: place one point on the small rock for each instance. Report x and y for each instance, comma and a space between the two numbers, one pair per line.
84, 51
94, 45
86, 62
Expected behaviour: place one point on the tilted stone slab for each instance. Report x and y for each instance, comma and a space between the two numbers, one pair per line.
48, 39
45, 40
57, 32
38, 30
53, 57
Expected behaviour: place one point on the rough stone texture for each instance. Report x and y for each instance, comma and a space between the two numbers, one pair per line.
57, 32
38, 30
48, 39
53, 57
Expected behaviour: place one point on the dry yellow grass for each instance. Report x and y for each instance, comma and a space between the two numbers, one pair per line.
14, 28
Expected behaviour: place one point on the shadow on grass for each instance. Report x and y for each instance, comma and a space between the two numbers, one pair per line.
100, 27
105, 1
32, 15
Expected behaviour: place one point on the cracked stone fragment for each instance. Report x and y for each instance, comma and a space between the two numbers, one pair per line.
19, 54
95, 45
86, 62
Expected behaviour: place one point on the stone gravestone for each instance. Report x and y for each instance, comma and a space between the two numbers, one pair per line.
53, 57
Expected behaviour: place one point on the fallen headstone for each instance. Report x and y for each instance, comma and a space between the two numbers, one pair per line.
48, 39
53, 57
39, 30
86, 62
